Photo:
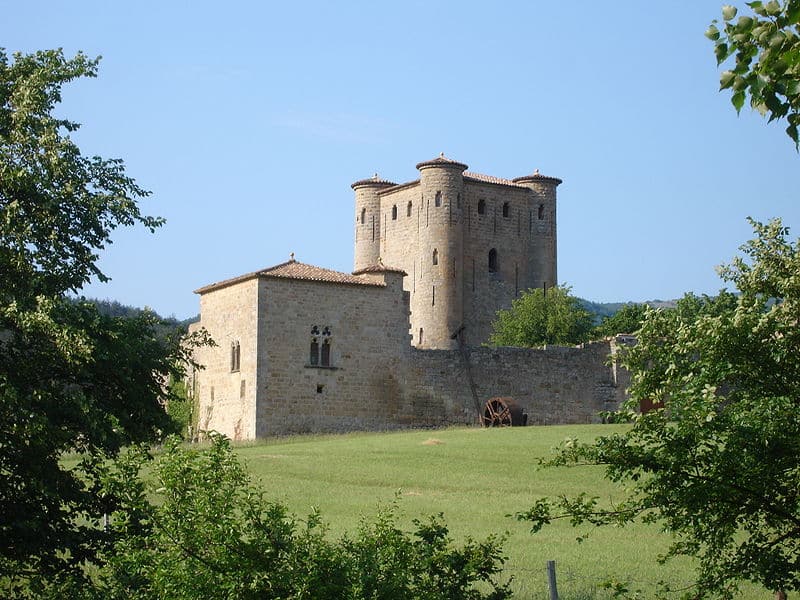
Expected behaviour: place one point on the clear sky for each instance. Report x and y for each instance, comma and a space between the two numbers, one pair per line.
249, 121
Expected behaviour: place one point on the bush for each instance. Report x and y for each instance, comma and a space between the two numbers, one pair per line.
198, 524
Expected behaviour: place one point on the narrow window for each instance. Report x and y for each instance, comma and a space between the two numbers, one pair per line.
541, 212
437, 201
492, 261
408, 209
313, 357
458, 201
363, 215
481, 207
320, 387
420, 344
433, 296
505, 209
242, 389
435, 256
394, 212
326, 353
235, 356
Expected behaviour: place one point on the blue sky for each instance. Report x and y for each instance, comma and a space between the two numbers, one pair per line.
249, 121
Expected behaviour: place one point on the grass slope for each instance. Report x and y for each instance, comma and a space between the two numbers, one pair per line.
475, 477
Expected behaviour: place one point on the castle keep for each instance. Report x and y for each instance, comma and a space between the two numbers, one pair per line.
468, 243
397, 343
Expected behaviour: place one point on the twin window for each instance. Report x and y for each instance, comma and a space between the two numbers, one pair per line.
320, 351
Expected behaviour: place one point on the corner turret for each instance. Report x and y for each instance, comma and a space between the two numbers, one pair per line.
368, 221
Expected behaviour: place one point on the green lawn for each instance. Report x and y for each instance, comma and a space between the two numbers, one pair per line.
475, 477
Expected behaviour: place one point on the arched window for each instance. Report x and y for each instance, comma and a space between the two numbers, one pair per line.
437, 201
235, 356
481, 207
325, 359
541, 212
408, 209
394, 212
492, 261
505, 209
313, 357
435, 256
363, 215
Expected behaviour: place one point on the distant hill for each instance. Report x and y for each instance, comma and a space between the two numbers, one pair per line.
608, 309
112, 308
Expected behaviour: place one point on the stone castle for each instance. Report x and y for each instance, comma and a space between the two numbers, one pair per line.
397, 343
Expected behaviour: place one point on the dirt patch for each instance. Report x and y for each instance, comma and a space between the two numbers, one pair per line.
432, 442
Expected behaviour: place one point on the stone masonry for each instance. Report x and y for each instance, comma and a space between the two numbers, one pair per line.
397, 342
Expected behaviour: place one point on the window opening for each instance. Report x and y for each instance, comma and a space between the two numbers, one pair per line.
433, 296
363, 215
394, 212
242, 389
313, 357
420, 343
481, 207
437, 201
326, 354
458, 200
235, 356
492, 261
541, 212
325, 359
505, 209
408, 209
435, 256
320, 387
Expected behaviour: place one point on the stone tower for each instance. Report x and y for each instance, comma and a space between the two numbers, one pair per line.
368, 221
439, 300
468, 243
542, 249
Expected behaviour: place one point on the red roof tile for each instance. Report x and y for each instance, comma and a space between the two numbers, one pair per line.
490, 179
441, 161
293, 269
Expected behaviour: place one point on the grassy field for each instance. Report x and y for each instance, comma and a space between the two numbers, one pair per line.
475, 477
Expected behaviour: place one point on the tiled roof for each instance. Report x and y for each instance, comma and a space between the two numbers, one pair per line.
490, 179
374, 180
379, 268
536, 175
441, 160
293, 269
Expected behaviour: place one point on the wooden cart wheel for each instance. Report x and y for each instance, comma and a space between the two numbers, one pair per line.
502, 412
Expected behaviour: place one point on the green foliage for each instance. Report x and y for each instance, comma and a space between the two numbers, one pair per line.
71, 378
719, 466
540, 317
766, 49
627, 319
180, 406
209, 528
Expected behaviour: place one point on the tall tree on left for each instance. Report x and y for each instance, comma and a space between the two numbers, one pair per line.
71, 380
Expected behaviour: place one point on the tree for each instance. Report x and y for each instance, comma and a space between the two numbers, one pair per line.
627, 319
766, 47
199, 524
538, 317
719, 465
71, 379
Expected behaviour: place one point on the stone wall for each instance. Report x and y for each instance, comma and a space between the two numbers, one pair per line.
553, 385
227, 396
369, 340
